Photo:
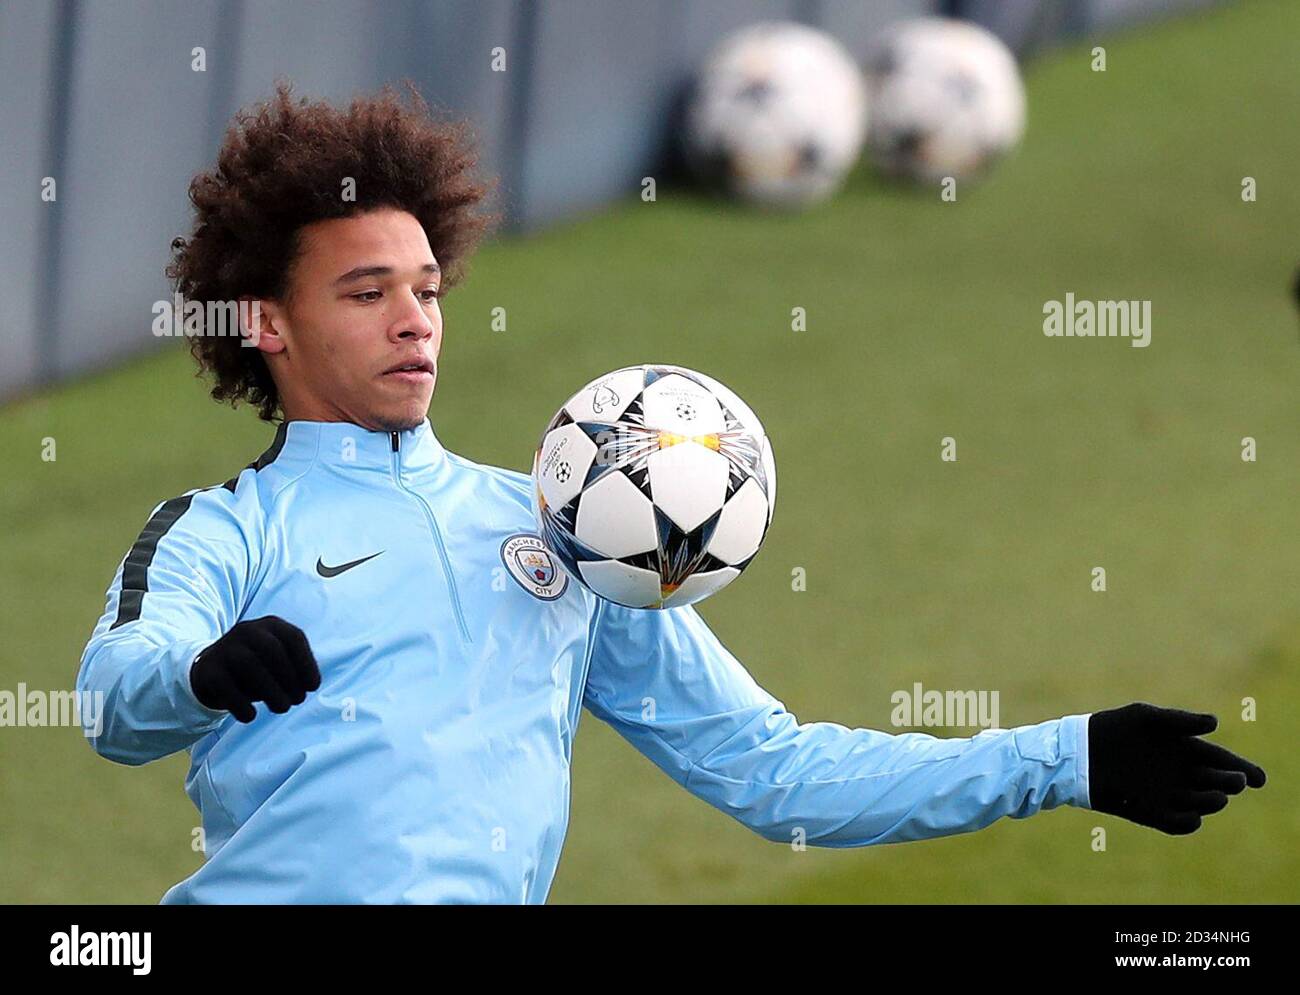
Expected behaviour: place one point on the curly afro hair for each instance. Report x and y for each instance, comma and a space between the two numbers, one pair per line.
281, 167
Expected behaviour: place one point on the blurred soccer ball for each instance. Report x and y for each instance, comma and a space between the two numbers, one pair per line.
946, 99
654, 486
777, 116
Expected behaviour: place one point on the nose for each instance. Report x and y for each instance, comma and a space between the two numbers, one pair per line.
415, 321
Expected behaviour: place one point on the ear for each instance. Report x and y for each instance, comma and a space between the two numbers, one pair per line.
262, 323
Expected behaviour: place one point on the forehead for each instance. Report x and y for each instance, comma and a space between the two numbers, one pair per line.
382, 237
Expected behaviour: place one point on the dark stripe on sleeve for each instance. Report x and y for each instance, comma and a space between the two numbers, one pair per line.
135, 572
265, 460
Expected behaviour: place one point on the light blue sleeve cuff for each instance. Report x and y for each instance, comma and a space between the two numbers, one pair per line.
1074, 741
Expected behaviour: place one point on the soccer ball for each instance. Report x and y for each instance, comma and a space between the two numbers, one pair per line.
654, 486
946, 100
778, 115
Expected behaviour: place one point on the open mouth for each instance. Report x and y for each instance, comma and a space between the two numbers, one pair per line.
413, 370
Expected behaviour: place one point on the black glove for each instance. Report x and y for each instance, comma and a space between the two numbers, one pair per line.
265, 659
1146, 765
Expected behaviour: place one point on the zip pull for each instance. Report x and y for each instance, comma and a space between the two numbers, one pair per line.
393, 437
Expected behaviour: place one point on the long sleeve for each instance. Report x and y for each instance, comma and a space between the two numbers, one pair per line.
669, 686
177, 591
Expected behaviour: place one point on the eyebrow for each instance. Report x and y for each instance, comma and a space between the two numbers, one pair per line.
356, 273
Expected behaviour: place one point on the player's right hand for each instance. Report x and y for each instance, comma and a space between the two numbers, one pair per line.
263, 659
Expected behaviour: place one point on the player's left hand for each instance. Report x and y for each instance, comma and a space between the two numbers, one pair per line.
1146, 764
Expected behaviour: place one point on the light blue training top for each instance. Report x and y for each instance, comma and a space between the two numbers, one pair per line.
432, 765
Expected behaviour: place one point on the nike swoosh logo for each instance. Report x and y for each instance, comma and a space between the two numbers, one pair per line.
325, 571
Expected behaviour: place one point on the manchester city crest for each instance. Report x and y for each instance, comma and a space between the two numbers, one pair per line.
533, 567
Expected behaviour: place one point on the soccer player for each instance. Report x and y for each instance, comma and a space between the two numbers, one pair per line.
371, 715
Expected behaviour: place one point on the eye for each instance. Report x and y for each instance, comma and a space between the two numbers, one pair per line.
366, 294
429, 294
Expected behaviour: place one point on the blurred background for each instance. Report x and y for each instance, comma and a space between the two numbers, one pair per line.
923, 321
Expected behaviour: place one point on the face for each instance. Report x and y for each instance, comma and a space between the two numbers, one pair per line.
357, 338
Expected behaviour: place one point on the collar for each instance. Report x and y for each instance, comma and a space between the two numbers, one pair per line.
350, 446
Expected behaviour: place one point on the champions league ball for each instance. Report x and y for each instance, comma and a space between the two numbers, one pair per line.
946, 100
777, 116
654, 486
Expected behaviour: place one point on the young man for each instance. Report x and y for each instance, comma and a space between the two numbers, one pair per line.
417, 720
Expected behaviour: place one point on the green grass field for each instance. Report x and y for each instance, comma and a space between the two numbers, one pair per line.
924, 321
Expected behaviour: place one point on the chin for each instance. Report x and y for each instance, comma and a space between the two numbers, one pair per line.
394, 422
388, 413
402, 418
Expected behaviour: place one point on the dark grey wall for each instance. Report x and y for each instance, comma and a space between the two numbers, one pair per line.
27, 80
